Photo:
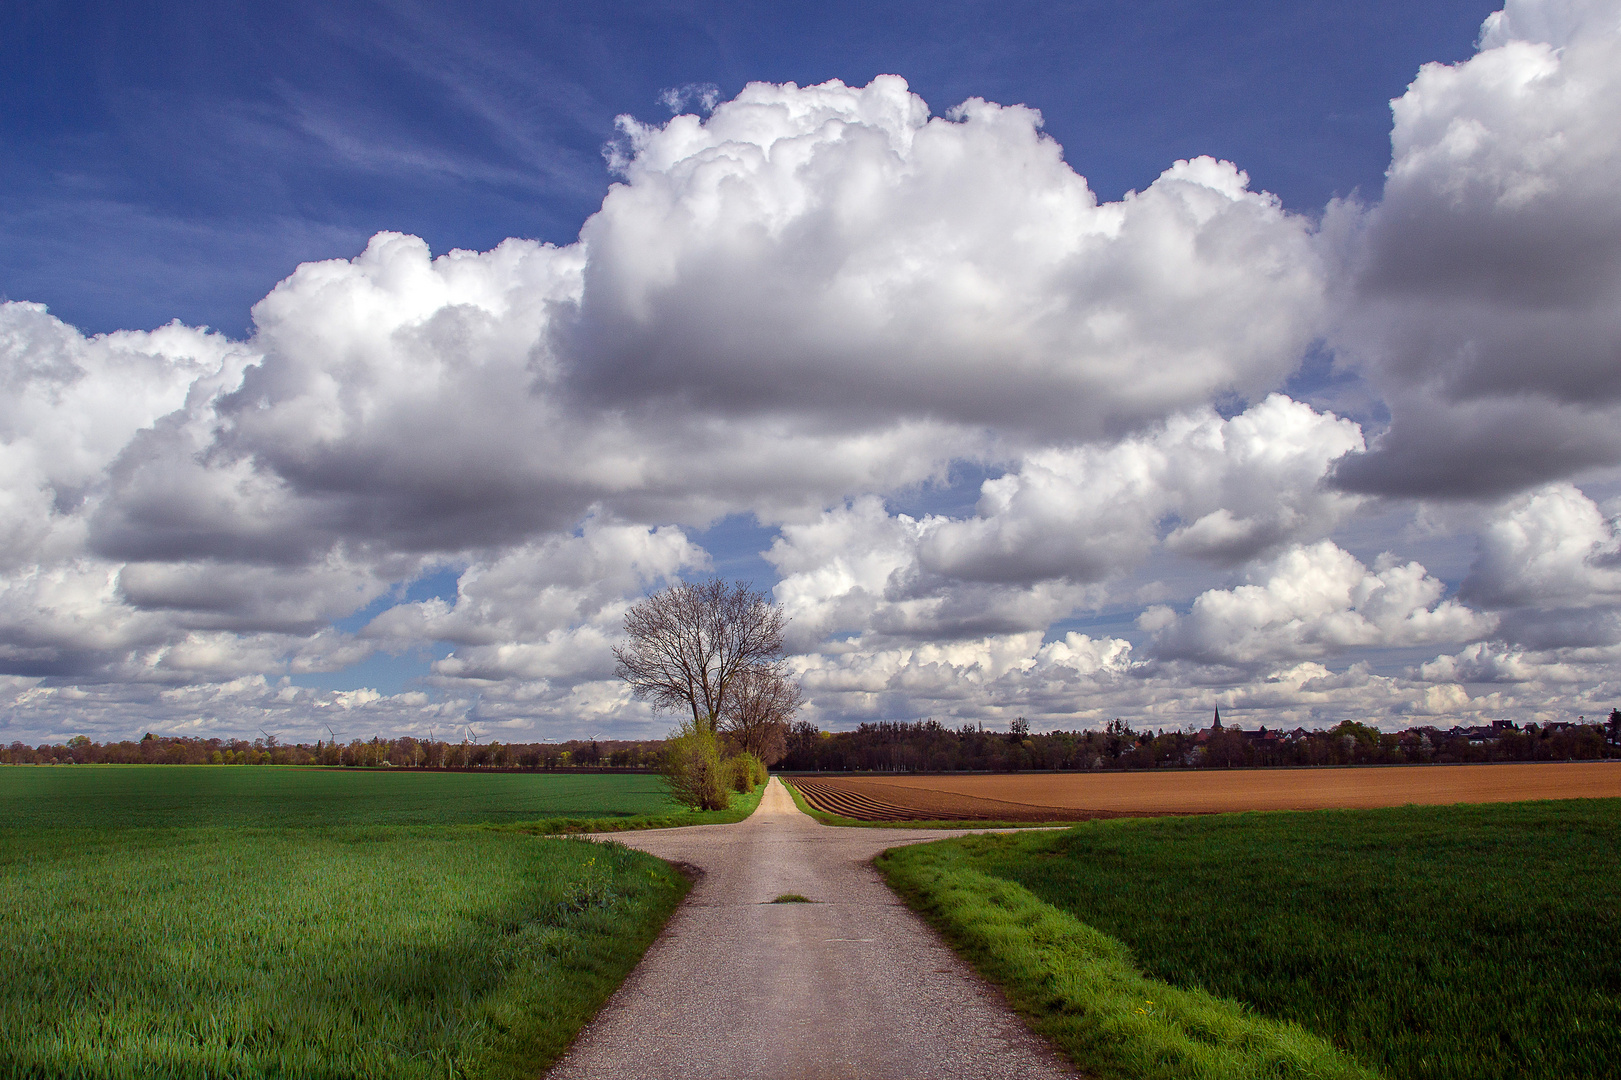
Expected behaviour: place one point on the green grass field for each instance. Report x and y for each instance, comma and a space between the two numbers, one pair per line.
349, 952
121, 796
231, 921
1428, 942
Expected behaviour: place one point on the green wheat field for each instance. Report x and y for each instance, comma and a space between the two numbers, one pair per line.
1455, 942
273, 922
120, 796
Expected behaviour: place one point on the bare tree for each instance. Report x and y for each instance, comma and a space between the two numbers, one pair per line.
689, 644
759, 709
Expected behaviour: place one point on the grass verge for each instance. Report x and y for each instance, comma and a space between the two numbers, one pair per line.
1433, 942
303, 953
1080, 988
847, 822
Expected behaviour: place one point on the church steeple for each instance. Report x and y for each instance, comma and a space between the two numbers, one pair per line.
1217, 725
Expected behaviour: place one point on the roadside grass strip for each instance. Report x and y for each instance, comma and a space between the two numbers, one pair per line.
1080, 988
312, 953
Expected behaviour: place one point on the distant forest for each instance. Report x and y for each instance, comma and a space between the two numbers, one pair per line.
925, 746
930, 746
405, 752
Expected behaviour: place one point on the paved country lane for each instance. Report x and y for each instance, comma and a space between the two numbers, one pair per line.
852, 986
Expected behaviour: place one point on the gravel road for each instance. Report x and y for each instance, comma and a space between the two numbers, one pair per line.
853, 985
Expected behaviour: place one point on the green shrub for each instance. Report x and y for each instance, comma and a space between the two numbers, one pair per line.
694, 769
748, 772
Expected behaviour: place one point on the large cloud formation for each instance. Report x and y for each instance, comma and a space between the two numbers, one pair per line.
813, 305
1483, 298
837, 255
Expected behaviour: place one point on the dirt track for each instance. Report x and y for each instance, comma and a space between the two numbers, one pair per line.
851, 986
1076, 796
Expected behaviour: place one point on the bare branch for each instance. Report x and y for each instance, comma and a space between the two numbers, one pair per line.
688, 643
759, 709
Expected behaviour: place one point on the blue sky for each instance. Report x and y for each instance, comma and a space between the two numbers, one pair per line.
175, 160
1121, 432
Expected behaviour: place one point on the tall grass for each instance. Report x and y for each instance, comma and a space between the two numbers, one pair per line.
353, 952
1429, 942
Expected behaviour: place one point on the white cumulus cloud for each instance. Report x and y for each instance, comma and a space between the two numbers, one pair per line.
1312, 601
836, 251
807, 306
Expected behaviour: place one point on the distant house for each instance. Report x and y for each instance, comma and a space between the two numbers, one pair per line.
1483, 734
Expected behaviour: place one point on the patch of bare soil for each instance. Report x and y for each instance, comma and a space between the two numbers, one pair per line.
872, 800
1078, 796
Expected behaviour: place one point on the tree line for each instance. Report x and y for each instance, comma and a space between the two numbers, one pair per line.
930, 746
712, 650
405, 752
924, 746
713, 653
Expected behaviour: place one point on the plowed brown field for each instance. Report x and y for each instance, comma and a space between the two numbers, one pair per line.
1079, 796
